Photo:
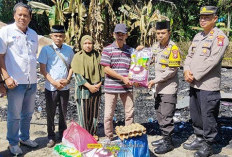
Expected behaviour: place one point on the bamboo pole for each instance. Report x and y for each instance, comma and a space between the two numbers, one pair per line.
228, 24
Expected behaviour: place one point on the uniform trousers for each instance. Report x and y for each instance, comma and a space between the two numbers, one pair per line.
204, 109
110, 105
165, 105
54, 99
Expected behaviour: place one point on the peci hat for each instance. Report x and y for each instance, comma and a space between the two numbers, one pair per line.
120, 28
163, 25
57, 29
208, 10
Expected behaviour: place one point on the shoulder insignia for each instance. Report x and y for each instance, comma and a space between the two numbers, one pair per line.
220, 39
211, 32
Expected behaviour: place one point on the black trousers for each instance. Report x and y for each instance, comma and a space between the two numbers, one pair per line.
204, 109
54, 99
165, 105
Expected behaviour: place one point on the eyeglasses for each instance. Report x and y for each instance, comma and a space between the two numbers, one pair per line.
206, 18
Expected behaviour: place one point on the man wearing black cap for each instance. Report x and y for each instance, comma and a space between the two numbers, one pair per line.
55, 63
167, 62
202, 69
116, 60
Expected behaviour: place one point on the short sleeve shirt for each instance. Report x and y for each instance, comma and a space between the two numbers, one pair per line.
119, 60
20, 53
54, 65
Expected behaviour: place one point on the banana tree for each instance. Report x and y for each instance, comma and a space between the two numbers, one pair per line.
143, 18
101, 17
70, 12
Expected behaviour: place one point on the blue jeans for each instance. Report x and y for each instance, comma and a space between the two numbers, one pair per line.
21, 103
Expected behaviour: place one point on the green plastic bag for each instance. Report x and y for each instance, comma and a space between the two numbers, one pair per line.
67, 151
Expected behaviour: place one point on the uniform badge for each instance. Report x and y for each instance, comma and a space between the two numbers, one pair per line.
165, 52
220, 39
205, 45
163, 61
204, 50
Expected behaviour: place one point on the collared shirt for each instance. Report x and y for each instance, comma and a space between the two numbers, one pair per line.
204, 59
118, 60
54, 65
166, 78
20, 53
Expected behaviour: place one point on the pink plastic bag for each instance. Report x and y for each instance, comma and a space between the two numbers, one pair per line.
77, 137
139, 68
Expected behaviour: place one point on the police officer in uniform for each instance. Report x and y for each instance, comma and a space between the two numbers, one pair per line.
167, 62
202, 69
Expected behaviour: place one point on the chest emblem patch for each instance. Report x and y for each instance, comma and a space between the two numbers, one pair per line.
220, 39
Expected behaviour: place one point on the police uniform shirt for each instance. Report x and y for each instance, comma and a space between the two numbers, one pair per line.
166, 78
204, 59
20, 53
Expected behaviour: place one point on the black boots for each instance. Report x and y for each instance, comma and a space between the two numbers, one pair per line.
195, 145
157, 143
204, 148
205, 151
166, 146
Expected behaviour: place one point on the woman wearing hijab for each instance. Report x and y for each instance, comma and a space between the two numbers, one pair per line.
89, 76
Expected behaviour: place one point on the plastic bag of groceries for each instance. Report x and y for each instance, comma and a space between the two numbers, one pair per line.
77, 137
135, 147
66, 151
140, 61
100, 152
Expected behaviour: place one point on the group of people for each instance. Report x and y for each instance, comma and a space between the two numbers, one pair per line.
91, 70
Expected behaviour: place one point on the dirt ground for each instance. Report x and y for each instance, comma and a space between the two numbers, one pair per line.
39, 134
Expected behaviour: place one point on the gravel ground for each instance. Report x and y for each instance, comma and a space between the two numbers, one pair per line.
144, 114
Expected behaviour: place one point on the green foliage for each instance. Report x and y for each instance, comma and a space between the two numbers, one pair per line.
6, 10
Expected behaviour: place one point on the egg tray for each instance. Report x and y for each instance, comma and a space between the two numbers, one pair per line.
129, 131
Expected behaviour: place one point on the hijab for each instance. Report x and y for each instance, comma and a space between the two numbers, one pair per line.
87, 64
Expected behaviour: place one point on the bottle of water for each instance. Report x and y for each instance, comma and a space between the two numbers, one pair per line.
39, 109
115, 119
150, 120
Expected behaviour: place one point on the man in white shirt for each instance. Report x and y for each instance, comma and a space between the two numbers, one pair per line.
18, 48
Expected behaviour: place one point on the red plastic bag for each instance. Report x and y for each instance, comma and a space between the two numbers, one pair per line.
77, 137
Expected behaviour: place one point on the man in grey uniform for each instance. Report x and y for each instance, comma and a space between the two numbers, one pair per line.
167, 62
202, 69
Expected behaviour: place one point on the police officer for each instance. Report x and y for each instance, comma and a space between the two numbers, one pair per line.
167, 62
202, 69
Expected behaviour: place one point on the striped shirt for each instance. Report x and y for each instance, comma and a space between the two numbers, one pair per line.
119, 60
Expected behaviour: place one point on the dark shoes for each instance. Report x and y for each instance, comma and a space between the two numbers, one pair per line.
205, 151
165, 147
157, 143
195, 145
51, 143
